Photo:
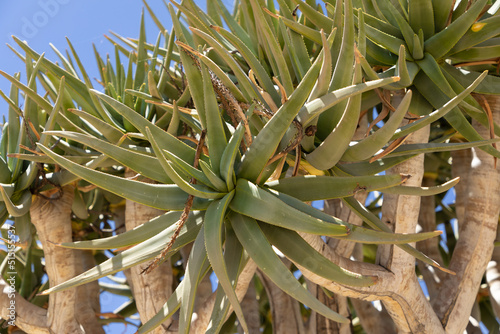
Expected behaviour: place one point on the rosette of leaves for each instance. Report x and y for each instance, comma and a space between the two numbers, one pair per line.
419, 40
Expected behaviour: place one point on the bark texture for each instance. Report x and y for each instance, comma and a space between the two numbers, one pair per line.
151, 290
66, 312
477, 232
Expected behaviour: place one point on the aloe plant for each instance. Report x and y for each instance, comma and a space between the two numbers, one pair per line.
208, 147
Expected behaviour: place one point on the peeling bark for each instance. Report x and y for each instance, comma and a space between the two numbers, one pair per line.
477, 233
284, 309
372, 320
152, 290
30, 318
427, 223
52, 219
204, 310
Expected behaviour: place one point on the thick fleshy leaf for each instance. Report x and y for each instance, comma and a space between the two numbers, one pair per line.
195, 270
367, 147
160, 196
163, 138
437, 114
329, 152
372, 220
143, 164
442, 42
358, 233
315, 107
255, 202
259, 249
142, 232
230, 155
143, 252
268, 139
312, 187
235, 259
423, 191
20, 209
214, 228
301, 253
413, 149
192, 189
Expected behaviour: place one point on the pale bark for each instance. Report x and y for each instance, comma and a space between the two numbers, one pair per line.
285, 310
150, 290
493, 278
29, 317
87, 295
372, 320
427, 223
52, 219
250, 308
402, 293
477, 233
204, 311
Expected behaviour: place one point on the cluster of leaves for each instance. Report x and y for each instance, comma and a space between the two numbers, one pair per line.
278, 94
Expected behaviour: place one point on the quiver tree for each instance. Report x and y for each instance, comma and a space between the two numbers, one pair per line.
210, 145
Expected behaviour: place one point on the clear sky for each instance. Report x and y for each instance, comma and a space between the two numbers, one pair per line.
41, 22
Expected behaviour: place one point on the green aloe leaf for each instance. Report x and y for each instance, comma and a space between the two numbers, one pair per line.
455, 117
329, 152
230, 155
143, 252
195, 271
272, 48
313, 187
163, 138
217, 182
253, 62
142, 232
217, 139
473, 37
259, 249
266, 142
236, 260
365, 148
255, 202
422, 191
20, 209
413, 149
437, 114
313, 108
421, 16
442, 42
160, 196
111, 133
301, 253
214, 227
317, 18
141, 163
358, 233
372, 220
488, 85
187, 169
192, 189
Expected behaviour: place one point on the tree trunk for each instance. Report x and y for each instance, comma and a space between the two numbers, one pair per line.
477, 233
150, 290
66, 312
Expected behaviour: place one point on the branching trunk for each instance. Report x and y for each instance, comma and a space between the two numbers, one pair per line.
427, 223
284, 309
204, 310
476, 236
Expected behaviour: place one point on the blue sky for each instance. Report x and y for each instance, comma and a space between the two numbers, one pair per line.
41, 22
